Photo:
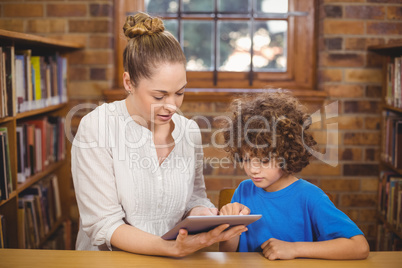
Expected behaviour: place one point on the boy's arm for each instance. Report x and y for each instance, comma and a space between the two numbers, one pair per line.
355, 247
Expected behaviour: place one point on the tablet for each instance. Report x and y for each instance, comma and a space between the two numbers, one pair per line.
199, 224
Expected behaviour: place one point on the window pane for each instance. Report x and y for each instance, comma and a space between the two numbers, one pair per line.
198, 6
235, 6
172, 26
198, 44
270, 46
272, 6
161, 6
234, 46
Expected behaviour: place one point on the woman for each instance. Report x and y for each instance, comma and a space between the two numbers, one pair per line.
137, 164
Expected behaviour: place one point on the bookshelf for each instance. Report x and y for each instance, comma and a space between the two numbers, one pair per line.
389, 229
53, 105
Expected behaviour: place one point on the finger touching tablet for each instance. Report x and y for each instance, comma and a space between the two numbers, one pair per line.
199, 224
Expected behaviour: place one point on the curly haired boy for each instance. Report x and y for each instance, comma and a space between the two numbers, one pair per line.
268, 136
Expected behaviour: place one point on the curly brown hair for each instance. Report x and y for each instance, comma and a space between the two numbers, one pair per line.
269, 124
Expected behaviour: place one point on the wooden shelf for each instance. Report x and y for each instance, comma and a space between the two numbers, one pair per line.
393, 109
40, 111
28, 40
389, 226
39, 46
11, 196
388, 49
389, 166
38, 176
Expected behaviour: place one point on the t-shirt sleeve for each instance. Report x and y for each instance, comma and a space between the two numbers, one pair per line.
329, 222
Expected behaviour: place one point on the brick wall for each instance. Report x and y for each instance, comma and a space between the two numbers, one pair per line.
352, 76
346, 71
89, 22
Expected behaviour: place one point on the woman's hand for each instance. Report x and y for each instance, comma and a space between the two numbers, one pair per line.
274, 249
186, 244
234, 209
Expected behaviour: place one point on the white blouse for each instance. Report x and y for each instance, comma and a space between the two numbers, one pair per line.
118, 179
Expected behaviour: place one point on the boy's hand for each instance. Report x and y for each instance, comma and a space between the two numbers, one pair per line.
234, 209
274, 249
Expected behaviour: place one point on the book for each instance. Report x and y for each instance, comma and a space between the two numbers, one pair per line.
9, 59
21, 154
37, 81
7, 163
20, 82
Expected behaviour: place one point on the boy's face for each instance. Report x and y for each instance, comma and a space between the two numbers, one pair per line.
264, 173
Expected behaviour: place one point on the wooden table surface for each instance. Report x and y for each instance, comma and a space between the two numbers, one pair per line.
14, 258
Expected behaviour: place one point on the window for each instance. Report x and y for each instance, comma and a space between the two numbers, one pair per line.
240, 43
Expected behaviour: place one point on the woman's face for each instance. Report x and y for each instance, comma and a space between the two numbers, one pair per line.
156, 99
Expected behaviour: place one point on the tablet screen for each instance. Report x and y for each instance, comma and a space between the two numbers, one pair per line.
199, 224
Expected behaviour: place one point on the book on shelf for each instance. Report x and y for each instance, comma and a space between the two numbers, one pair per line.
389, 197
40, 204
6, 183
29, 81
40, 142
387, 240
393, 95
392, 142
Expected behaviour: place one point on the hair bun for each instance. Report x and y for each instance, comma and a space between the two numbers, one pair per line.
142, 24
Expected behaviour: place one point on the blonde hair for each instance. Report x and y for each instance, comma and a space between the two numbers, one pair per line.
148, 45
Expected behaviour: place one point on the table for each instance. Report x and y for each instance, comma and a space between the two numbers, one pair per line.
15, 258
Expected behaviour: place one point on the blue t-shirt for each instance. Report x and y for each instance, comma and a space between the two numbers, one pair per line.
301, 212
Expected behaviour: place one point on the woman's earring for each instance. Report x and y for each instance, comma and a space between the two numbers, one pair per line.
129, 91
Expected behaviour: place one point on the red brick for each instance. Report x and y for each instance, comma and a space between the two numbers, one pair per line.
360, 43
320, 169
344, 91
374, 60
16, 25
76, 38
88, 26
364, 12
333, 11
66, 10
351, 154
372, 154
359, 200
372, 123
23, 10
367, 215
394, 13
100, 10
100, 41
369, 184
383, 28
346, 185
350, 122
373, 91
384, 1
91, 57
363, 75
364, 138
360, 169
334, 26
78, 73
341, 59
333, 43
330, 75
46, 26
362, 107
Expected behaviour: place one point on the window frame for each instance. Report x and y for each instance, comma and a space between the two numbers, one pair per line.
302, 54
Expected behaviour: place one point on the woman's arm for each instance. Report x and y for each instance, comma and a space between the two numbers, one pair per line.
131, 239
355, 247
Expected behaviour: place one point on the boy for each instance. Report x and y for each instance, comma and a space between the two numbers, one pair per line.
266, 135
